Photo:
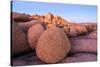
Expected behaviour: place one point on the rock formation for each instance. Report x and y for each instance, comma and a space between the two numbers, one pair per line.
19, 40
70, 29
28, 31
53, 45
20, 17
34, 34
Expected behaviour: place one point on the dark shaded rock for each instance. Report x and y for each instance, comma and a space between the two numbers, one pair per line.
80, 57
19, 40
83, 45
27, 59
18, 17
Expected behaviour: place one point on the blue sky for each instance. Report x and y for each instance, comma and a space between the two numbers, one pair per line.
72, 12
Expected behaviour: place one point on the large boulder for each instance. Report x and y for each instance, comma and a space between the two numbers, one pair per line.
34, 34
53, 45
19, 40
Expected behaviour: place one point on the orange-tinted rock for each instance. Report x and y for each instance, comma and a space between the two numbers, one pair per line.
53, 45
66, 30
80, 29
34, 33
50, 25
70, 31
19, 40
55, 20
48, 18
51, 19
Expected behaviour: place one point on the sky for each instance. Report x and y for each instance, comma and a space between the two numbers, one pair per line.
71, 12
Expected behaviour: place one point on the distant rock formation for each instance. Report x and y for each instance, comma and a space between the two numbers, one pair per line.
51, 19
18, 17
71, 29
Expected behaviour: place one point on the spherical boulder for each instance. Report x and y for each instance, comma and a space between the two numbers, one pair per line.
34, 33
53, 45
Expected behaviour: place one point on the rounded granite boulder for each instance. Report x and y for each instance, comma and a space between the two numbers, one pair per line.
53, 45
34, 33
